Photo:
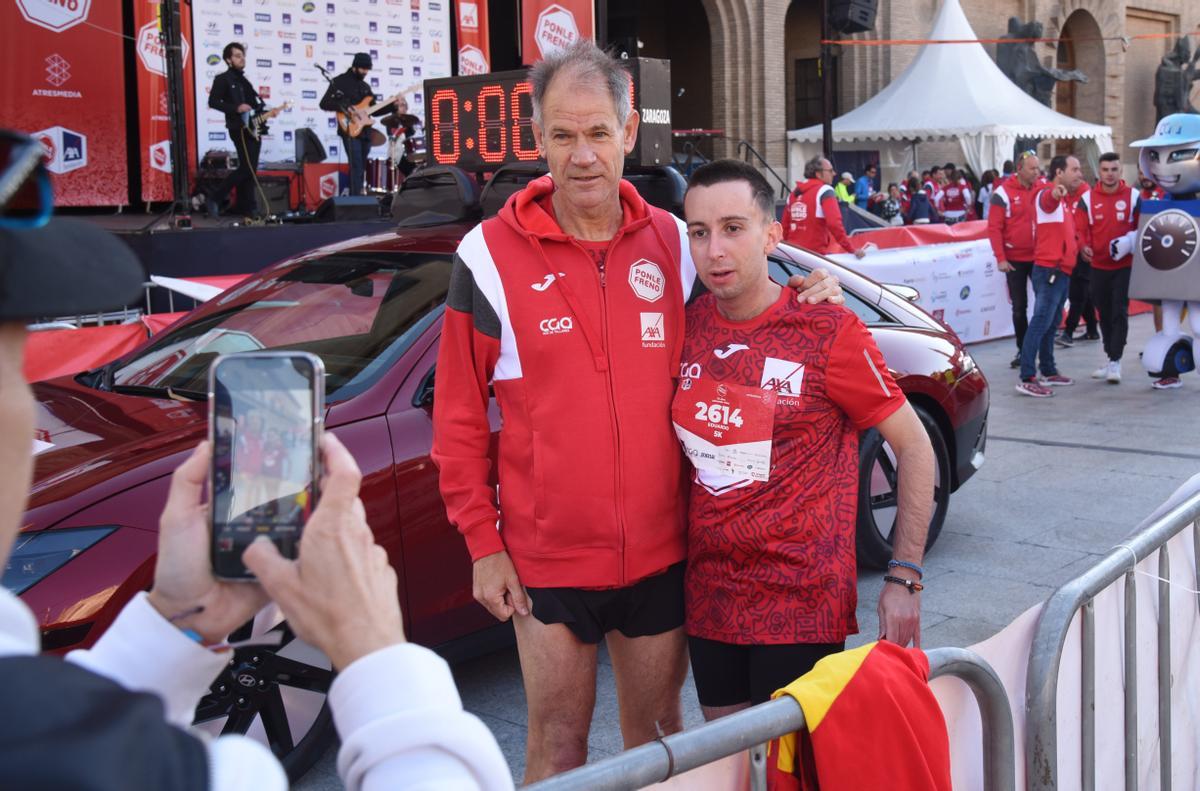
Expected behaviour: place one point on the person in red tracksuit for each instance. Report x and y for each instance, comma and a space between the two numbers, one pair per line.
955, 200
1010, 230
1079, 298
1111, 211
570, 305
1053, 261
812, 218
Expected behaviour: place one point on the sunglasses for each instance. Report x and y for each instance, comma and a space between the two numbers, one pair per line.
26, 197
1026, 154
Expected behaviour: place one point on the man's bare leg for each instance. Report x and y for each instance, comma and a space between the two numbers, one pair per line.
650, 672
560, 692
717, 712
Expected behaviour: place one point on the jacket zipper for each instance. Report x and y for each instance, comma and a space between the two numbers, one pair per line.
612, 408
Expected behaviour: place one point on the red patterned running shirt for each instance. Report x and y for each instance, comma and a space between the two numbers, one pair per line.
768, 412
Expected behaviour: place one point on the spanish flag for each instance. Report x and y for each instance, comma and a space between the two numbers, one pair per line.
872, 723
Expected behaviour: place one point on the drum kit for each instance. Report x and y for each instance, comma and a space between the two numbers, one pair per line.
405, 151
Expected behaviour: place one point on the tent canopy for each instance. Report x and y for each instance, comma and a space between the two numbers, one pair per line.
953, 91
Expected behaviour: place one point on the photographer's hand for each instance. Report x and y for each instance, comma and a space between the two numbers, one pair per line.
183, 578
341, 594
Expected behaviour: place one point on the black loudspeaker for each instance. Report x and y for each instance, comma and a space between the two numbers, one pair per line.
277, 191
342, 208
308, 146
852, 16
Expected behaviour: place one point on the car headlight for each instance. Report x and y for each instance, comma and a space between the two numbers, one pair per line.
968, 362
37, 555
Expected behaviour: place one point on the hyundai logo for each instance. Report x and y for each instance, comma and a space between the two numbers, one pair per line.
247, 679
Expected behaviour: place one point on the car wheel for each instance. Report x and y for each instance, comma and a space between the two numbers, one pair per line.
878, 493
274, 693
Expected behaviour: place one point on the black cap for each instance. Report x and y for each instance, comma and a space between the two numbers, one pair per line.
65, 268
361, 61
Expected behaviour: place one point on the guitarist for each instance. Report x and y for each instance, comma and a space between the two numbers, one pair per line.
345, 91
233, 95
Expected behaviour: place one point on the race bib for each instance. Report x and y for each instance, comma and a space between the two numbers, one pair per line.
726, 428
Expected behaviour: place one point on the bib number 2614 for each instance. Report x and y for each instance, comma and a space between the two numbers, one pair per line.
718, 413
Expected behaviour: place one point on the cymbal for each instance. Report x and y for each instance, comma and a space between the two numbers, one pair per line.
392, 121
401, 119
376, 137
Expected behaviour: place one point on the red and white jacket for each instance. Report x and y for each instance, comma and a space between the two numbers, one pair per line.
1011, 219
812, 219
582, 360
1057, 245
1108, 215
955, 200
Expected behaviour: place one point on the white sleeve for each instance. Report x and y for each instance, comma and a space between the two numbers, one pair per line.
687, 267
403, 726
144, 652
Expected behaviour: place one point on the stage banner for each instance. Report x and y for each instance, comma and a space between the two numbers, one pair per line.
959, 284
154, 131
548, 27
63, 82
474, 54
285, 40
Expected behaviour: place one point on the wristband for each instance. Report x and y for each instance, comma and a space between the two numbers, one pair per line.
913, 587
904, 564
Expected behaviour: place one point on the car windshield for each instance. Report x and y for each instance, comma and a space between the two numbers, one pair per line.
358, 312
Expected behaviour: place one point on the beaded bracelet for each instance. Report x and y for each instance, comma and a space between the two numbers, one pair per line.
913, 586
904, 564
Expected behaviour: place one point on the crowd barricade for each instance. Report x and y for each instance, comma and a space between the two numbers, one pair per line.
752, 729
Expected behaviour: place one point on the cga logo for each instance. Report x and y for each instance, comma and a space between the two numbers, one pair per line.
689, 370
557, 326
65, 150
55, 15
160, 156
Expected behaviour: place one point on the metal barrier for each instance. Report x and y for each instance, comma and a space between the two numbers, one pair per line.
1045, 656
753, 728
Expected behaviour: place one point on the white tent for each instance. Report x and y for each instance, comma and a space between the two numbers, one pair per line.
949, 91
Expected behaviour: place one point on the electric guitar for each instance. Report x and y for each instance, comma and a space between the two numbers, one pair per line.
358, 117
256, 123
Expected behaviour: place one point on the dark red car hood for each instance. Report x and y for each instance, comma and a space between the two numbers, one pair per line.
95, 443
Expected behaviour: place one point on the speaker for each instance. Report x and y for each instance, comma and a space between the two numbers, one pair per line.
278, 192
852, 16
342, 208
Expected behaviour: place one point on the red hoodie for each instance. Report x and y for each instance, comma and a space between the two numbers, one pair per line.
812, 219
1108, 215
1057, 235
1011, 219
582, 360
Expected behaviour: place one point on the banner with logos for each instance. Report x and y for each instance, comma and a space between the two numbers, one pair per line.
958, 282
551, 26
408, 40
154, 129
474, 54
63, 82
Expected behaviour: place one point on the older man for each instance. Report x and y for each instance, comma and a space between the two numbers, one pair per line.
812, 218
570, 305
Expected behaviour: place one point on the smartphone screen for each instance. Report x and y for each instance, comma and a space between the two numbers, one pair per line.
265, 412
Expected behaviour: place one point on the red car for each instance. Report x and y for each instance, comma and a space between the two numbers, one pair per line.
371, 309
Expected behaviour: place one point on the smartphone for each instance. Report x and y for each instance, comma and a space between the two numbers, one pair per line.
265, 418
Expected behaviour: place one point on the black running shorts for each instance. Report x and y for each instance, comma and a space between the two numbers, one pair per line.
727, 673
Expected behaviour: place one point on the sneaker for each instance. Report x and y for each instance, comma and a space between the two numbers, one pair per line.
1168, 383
1016, 361
1114, 372
1064, 341
1091, 336
1101, 372
1033, 388
1058, 380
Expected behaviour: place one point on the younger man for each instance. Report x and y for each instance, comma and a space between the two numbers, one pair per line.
769, 412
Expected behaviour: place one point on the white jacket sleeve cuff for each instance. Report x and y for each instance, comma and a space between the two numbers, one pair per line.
401, 722
144, 652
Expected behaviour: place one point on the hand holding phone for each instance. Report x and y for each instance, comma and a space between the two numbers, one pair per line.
265, 417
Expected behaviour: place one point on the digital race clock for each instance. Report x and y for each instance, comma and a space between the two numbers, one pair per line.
481, 122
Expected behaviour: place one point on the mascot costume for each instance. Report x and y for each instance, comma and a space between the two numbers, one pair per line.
1166, 246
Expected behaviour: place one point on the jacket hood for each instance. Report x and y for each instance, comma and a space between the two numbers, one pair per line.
810, 186
530, 214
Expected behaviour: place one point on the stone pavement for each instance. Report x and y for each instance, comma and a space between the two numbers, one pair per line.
1065, 479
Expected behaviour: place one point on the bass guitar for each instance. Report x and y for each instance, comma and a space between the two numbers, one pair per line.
256, 122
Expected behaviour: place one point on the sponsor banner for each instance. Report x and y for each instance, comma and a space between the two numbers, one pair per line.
551, 26
474, 55
64, 84
154, 130
285, 40
959, 284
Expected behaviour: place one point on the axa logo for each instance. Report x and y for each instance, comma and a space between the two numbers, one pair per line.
65, 150
557, 326
653, 332
729, 350
785, 377
545, 284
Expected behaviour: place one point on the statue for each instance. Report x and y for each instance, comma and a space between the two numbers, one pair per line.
1173, 80
1166, 246
1020, 63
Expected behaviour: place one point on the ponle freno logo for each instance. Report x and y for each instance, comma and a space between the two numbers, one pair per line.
160, 156
56, 15
151, 52
556, 30
647, 280
472, 61
328, 186
65, 150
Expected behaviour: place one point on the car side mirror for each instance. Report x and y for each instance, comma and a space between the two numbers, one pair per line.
907, 292
423, 398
